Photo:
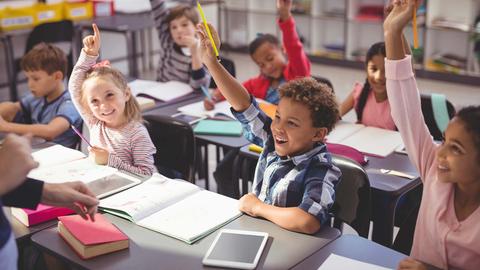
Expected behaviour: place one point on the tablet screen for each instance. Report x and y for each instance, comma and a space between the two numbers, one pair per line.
234, 248
111, 184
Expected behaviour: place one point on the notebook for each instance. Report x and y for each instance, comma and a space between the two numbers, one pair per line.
368, 140
198, 109
42, 213
90, 239
218, 127
58, 164
164, 91
334, 262
175, 208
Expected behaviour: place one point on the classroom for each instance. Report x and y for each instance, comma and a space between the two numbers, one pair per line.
240, 134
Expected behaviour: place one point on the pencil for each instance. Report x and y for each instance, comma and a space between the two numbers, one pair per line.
80, 135
206, 93
200, 10
415, 30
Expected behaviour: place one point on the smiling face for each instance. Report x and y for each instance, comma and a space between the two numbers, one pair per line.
376, 74
293, 129
269, 57
180, 28
106, 101
458, 157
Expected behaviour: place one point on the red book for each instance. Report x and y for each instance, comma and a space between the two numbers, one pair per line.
90, 239
43, 213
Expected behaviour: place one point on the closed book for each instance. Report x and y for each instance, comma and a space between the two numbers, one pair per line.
215, 127
43, 213
91, 238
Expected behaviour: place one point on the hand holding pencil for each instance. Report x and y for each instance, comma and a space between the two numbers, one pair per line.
207, 52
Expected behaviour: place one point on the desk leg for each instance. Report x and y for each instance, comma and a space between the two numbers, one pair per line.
205, 164
383, 217
10, 65
132, 53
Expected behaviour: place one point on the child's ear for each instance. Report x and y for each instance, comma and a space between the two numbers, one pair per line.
128, 94
58, 75
320, 134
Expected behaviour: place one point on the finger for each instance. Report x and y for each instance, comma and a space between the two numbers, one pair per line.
91, 212
215, 36
96, 32
79, 209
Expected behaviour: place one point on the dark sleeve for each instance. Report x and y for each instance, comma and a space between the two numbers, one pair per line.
27, 195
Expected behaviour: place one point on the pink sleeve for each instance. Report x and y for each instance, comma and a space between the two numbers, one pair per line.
357, 89
406, 112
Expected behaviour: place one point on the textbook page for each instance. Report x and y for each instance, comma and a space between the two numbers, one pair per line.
194, 217
55, 155
375, 141
147, 198
85, 170
198, 109
165, 91
334, 262
342, 130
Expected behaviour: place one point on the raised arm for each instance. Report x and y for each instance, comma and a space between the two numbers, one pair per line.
230, 88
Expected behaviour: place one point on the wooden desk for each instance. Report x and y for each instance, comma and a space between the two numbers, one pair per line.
386, 189
151, 250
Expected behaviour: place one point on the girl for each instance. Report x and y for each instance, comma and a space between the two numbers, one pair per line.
370, 99
447, 234
101, 95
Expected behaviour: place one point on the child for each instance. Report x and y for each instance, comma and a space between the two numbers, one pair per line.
447, 234
295, 178
112, 115
47, 112
370, 99
179, 60
267, 52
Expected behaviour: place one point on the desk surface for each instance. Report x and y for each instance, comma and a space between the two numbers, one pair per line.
354, 247
22, 233
151, 250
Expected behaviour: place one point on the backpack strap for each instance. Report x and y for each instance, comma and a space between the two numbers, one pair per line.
440, 111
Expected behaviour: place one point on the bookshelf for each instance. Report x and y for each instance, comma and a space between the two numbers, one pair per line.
339, 32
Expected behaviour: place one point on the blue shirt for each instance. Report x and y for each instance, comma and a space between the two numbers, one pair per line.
306, 181
272, 95
39, 111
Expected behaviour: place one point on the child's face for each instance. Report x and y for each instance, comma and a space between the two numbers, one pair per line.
180, 29
106, 101
270, 59
376, 74
42, 84
457, 158
293, 129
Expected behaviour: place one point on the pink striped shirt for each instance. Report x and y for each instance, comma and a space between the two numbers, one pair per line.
440, 239
130, 146
375, 114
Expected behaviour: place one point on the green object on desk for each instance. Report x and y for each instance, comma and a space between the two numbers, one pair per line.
216, 127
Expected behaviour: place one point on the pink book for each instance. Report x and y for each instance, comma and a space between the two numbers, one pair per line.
43, 213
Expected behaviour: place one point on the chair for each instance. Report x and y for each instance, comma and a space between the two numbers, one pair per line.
229, 65
352, 197
175, 143
324, 80
433, 119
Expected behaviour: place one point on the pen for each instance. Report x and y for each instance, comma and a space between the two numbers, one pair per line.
206, 93
200, 10
80, 134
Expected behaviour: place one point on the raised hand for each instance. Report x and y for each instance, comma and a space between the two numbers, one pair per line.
91, 43
207, 54
400, 15
284, 8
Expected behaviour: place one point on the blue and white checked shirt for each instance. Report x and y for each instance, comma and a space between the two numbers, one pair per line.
306, 181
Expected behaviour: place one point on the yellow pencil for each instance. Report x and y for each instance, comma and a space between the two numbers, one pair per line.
200, 10
415, 30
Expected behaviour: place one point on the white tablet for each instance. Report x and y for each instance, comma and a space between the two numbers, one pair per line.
236, 249
112, 184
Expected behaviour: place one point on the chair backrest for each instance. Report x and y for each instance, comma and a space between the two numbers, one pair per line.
429, 116
175, 143
352, 197
229, 65
58, 33
323, 80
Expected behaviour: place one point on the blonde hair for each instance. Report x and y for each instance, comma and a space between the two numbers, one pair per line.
132, 108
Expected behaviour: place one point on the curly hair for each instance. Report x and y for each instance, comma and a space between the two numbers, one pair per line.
470, 116
132, 108
318, 97
262, 39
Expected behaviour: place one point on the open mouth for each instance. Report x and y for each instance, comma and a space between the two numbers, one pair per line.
442, 168
280, 140
108, 113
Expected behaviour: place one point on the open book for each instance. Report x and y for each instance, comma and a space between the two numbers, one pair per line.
59, 164
198, 109
173, 207
164, 91
368, 140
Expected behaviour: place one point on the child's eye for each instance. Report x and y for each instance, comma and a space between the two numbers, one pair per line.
110, 95
94, 102
292, 124
455, 149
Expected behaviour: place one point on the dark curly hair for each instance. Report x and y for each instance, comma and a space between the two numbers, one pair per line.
470, 116
317, 96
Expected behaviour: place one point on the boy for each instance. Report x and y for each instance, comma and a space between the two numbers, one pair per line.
295, 179
47, 112
267, 52
179, 60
